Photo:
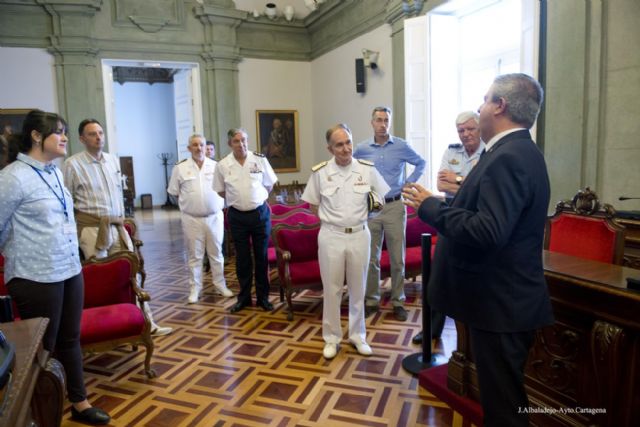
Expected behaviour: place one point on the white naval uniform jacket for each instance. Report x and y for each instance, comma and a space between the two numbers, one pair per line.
194, 188
342, 197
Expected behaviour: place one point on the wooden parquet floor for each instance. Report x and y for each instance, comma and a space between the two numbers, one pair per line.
255, 368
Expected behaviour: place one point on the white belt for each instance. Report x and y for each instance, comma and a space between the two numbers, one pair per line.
346, 230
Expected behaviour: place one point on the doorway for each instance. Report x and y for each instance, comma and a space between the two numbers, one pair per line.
151, 110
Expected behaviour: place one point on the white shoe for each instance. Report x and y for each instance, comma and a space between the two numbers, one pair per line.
193, 296
223, 290
363, 348
330, 350
159, 331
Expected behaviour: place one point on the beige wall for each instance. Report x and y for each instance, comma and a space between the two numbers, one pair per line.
593, 99
592, 87
334, 88
278, 85
621, 102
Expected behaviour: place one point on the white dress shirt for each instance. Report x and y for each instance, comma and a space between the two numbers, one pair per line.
194, 187
341, 192
245, 186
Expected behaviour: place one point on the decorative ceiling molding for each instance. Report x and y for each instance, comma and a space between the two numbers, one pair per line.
149, 16
143, 75
149, 24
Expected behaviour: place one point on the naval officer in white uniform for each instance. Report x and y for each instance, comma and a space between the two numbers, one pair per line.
202, 219
244, 179
340, 189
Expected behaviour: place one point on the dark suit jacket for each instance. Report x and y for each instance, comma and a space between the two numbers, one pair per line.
487, 268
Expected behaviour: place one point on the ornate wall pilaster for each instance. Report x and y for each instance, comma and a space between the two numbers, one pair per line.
221, 56
72, 45
395, 17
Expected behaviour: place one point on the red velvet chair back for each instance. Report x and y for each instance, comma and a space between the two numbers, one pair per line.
108, 281
297, 258
581, 228
296, 216
416, 227
300, 240
131, 230
281, 209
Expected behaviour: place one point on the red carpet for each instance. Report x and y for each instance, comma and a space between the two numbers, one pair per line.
435, 380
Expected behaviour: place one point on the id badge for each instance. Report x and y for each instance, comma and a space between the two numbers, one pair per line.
69, 228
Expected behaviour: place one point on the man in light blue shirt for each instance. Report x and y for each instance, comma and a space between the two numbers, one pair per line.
390, 156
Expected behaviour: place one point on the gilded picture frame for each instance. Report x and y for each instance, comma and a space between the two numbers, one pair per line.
278, 139
13, 117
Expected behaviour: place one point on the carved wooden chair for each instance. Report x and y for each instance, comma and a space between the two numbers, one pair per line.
297, 258
131, 226
281, 209
583, 227
112, 314
295, 216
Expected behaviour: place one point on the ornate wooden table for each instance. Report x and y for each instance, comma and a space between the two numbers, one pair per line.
584, 369
36, 390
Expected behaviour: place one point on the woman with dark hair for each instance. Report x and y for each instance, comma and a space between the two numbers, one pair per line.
39, 242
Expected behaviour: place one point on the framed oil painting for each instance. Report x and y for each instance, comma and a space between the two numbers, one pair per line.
13, 118
277, 132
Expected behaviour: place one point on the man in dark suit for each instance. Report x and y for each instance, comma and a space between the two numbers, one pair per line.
487, 269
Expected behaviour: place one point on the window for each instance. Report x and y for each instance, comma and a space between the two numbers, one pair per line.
452, 55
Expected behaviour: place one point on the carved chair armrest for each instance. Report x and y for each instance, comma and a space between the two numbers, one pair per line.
141, 294
284, 257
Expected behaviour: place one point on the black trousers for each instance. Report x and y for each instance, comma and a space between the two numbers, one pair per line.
437, 323
500, 360
62, 303
251, 229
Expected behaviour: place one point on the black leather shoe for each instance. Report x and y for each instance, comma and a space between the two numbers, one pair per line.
266, 305
369, 310
94, 416
238, 306
418, 338
400, 313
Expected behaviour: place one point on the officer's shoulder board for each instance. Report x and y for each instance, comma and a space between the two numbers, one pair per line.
319, 166
258, 154
455, 145
365, 162
182, 161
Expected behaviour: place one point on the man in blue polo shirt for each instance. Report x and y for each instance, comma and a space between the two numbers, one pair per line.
390, 156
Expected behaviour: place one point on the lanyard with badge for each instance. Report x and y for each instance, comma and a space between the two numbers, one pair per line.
68, 227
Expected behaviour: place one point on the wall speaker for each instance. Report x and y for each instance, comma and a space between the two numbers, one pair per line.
360, 84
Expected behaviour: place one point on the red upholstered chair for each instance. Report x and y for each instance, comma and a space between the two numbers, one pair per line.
112, 315
296, 216
297, 258
281, 209
584, 228
131, 226
413, 251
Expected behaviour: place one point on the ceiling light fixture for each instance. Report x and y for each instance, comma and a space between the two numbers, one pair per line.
271, 10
